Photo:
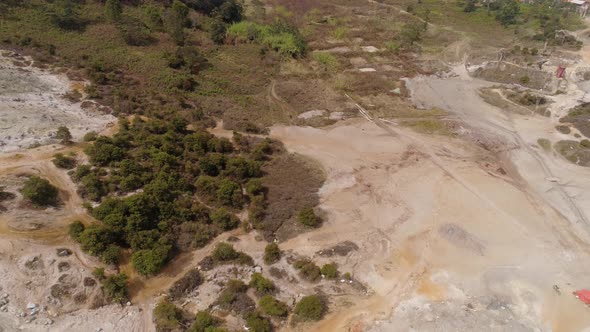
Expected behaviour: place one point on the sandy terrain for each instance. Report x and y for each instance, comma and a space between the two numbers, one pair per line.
32, 106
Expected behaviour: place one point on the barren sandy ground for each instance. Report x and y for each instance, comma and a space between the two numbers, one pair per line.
32, 107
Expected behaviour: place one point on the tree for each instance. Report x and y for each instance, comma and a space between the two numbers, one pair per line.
273, 307
308, 217
40, 192
111, 254
508, 12
95, 239
272, 253
310, 308
113, 10
115, 287
167, 316
217, 31
63, 133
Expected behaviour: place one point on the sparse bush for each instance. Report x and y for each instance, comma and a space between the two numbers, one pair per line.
183, 286
524, 80
310, 308
62, 161
167, 316
544, 143
40, 192
262, 285
272, 253
308, 217
327, 61
273, 307
204, 322
224, 252
98, 273
308, 270
329, 271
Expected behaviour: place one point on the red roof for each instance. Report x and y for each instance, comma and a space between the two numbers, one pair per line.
583, 295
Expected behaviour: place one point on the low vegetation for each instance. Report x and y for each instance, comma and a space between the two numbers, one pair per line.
40, 192
167, 316
279, 36
273, 307
272, 253
308, 270
308, 217
262, 285
310, 308
64, 162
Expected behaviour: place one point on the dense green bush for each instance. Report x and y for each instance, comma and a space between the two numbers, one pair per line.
75, 229
62, 161
204, 322
40, 192
115, 287
262, 285
281, 37
310, 308
257, 323
224, 252
272, 253
273, 307
167, 316
150, 261
224, 220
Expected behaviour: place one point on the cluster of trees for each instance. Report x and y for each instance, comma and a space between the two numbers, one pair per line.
162, 188
551, 15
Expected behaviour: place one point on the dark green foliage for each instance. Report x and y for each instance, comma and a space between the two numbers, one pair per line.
98, 273
273, 307
204, 322
224, 220
63, 134
90, 136
411, 33
167, 316
470, 6
272, 253
224, 252
40, 192
230, 11
113, 10
308, 270
175, 19
150, 261
66, 15
229, 194
62, 161
308, 217
115, 287
310, 308
217, 32
104, 151
508, 11
75, 229
330, 271
111, 254
254, 188
262, 285
95, 239
257, 323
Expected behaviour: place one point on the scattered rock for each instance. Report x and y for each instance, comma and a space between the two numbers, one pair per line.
34, 263
63, 266
31, 305
63, 252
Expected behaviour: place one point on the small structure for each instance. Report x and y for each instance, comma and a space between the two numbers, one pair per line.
560, 72
583, 295
581, 6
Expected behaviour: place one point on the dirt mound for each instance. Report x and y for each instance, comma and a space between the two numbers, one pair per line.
459, 237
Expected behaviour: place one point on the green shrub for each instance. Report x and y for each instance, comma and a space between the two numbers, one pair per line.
262, 285
63, 134
524, 80
585, 143
115, 287
224, 252
273, 307
229, 194
204, 322
328, 62
284, 39
95, 239
90, 136
308, 217
329, 271
272, 253
224, 220
167, 316
111, 254
75, 229
98, 273
40, 192
308, 270
150, 261
62, 161
256, 323
310, 308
